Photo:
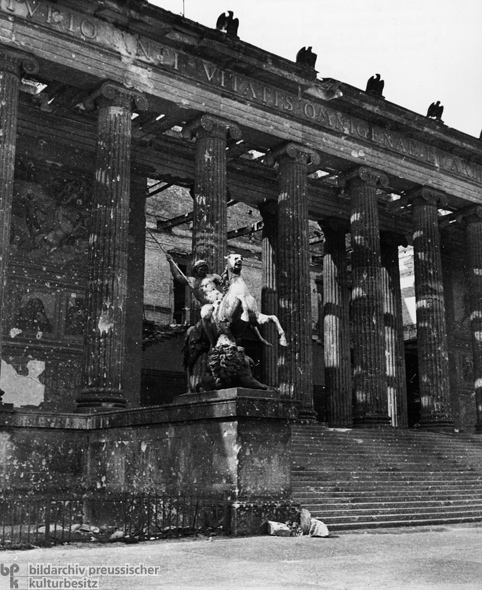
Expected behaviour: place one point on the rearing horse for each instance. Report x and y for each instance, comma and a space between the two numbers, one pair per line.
238, 307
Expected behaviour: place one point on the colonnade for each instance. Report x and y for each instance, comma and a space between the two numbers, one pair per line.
363, 333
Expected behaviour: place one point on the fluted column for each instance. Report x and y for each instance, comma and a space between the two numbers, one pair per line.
369, 373
336, 325
473, 232
394, 343
269, 295
210, 211
433, 362
12, 65
104, 346
293, 275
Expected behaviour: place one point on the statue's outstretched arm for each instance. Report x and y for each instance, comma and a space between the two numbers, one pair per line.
177, 272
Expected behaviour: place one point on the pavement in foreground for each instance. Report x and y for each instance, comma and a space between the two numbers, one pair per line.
441, 557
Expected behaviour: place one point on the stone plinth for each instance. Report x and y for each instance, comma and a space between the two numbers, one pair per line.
223, 444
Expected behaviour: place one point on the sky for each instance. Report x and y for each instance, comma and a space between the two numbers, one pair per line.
425, 50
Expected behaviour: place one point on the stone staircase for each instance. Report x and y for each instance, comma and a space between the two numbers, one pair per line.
386, 477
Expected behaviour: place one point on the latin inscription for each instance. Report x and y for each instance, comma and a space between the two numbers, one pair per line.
154, 53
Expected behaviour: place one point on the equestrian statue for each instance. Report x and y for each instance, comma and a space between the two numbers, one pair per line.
227, 309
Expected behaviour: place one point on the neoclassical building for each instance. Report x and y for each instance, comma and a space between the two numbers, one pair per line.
106, 104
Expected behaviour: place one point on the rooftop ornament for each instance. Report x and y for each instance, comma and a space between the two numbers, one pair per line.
435, 111
227, 24
306, 57
375, 85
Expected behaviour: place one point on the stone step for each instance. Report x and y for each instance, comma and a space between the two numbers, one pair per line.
380, 496
409, 505
318, 442
415, 521
303, 494
387, 516
381, 467
383, 476
386, 477
383, 492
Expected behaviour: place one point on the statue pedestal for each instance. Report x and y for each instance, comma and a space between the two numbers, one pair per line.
248, 451
230, 447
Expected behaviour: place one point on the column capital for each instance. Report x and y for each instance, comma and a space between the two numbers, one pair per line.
17, 62
111, 93
470, 215
297, 152
368, 175
426, 195
212, 126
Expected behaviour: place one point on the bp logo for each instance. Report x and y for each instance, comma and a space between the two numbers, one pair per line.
7, 576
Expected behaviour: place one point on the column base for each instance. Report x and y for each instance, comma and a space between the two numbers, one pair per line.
99, 400
372, 422
307, 415
436, 425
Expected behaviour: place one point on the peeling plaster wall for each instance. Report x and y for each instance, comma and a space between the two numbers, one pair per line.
23, 390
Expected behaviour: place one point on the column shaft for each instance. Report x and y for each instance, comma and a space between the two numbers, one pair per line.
210, 222
293, 278
395, 348
370, 383
269, 295
336, 326
474, 247
104, 347
435, 409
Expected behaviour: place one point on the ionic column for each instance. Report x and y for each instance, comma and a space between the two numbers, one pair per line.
336, 325
473, 232
433, 362
394, 343
368, 332
108, 252
12, 65
293, 275
210, 211
269, 295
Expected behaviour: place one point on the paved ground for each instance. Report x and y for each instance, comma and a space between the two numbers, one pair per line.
445, 558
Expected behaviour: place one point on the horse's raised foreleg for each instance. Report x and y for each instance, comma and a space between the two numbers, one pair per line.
265, 319
259, 337
245, 307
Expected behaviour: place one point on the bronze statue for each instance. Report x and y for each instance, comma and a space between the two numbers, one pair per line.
224, 317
